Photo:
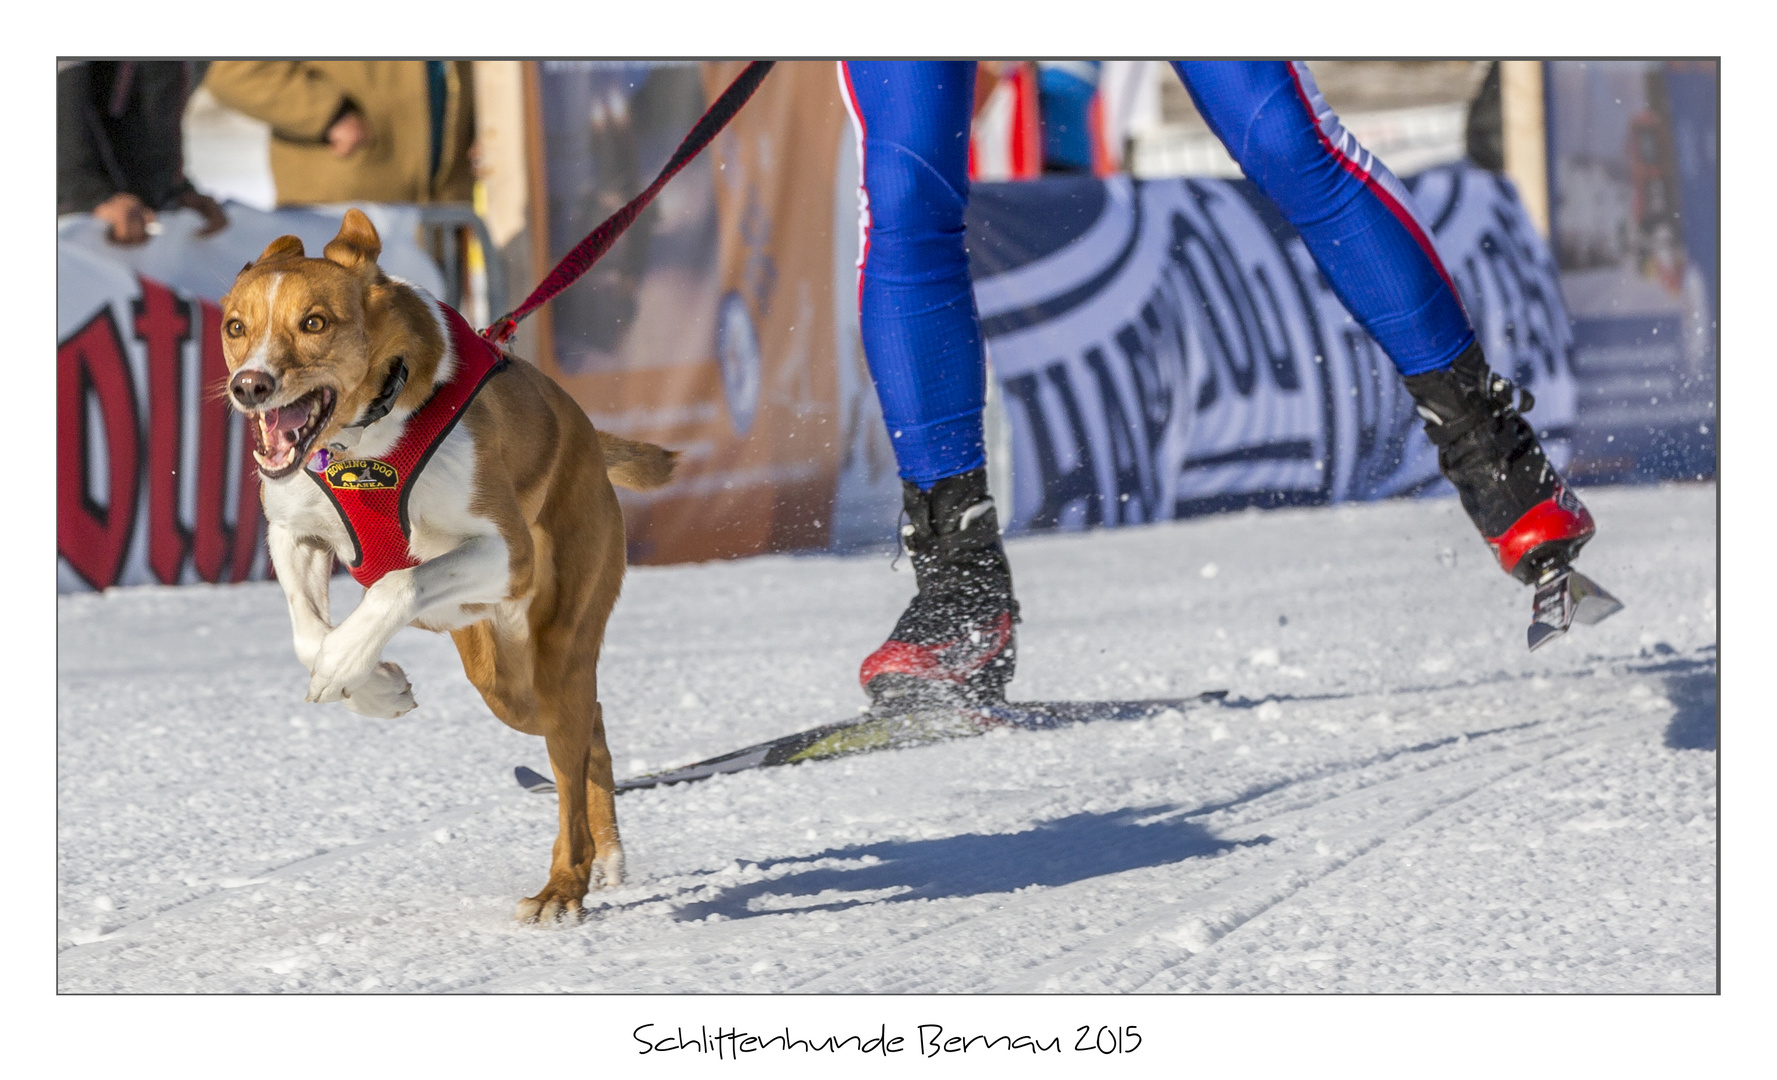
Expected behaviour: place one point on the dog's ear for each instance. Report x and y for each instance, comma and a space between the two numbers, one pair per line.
357, 241
282, 248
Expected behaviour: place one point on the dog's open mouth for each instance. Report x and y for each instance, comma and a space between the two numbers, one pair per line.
285, 434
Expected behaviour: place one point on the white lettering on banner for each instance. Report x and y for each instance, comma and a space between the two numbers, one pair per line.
1185, 355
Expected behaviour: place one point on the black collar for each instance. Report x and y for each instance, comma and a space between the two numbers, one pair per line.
385, 400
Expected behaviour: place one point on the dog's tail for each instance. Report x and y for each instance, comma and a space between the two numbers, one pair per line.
637, 465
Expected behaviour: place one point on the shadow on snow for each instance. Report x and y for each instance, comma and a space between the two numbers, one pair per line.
1695, 724
1057, 852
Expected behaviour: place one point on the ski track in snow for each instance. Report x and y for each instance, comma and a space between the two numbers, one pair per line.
1395, 797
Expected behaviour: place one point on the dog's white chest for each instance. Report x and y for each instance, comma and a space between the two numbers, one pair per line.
438, 513
298, 504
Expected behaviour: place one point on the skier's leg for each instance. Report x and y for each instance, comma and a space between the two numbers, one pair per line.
1357, 221
915, 305
922, 340
1353, 214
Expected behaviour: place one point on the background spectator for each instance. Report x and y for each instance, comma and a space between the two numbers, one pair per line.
1065, 91
118, 143
359, 130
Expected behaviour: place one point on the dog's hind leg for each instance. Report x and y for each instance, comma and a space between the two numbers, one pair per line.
601, 807
588, 850
577, 658
499, 660
570, 865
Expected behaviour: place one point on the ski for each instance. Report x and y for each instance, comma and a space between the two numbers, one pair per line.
883, 729
1564, 596
533, 781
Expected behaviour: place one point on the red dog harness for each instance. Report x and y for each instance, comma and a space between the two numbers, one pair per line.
371, 493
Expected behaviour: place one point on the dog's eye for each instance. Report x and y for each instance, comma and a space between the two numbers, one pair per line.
314, 324
234, 328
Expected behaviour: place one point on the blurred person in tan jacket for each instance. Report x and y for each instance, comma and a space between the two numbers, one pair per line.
396, 131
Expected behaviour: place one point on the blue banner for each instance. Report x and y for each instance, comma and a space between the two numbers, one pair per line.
1168, 348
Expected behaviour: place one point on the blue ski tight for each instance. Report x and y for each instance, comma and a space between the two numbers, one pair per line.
922, 339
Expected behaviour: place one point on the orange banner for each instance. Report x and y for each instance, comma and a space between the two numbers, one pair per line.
733, 368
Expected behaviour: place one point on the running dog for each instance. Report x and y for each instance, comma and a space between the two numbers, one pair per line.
501, 529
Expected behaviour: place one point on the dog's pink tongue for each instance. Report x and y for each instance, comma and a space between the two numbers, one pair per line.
282, 424
289, 419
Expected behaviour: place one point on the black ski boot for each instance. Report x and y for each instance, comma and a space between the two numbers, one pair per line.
955, 641
1523, 508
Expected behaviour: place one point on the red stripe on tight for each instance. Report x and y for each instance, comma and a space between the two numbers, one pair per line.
1401, 213
857, 115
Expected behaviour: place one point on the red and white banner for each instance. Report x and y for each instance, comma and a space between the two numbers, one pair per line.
155, 476
155, 481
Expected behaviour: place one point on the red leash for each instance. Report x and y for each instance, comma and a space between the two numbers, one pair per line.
599, 241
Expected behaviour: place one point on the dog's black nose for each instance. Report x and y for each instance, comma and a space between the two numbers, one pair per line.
251, 387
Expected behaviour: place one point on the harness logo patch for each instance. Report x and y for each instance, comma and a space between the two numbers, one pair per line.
363, 475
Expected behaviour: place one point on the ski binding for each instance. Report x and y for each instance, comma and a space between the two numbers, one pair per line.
1564, 595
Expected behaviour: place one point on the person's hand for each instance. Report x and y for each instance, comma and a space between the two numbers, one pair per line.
128, 217
214, 219
348, 133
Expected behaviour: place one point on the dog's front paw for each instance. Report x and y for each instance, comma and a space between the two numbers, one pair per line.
341, 666
385, 695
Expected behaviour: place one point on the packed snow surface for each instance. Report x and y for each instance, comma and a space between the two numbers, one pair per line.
1395, 796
